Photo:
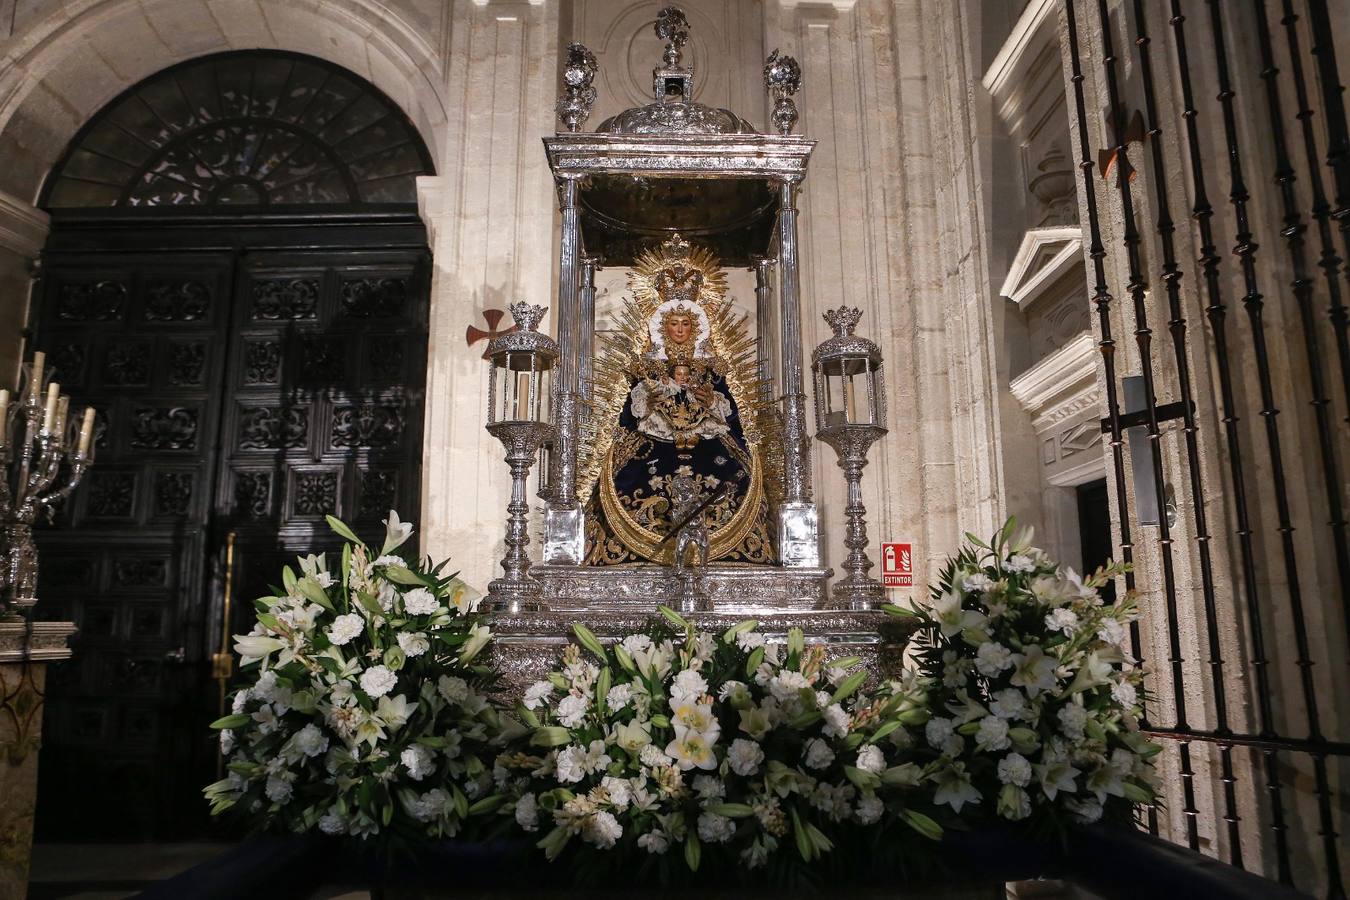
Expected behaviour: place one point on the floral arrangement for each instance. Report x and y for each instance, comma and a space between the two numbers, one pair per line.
364, 711
682, 743
1037, 698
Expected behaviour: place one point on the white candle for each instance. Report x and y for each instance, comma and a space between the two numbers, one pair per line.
4, 409
86, 431
49, 416
62, 410
35, 383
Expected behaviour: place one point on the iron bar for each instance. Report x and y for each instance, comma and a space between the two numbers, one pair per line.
1294, 232
1245, 249
1143, 335
1101, 298
1172, 275
1255, 741
1329, 261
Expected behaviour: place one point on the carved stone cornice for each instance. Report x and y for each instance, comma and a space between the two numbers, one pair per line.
1062, 385
1043, 256
434, 193
46, 643
23, 227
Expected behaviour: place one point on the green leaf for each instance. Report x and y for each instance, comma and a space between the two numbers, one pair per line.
370, 603
819, 841
602, 685
751, 664
341, 530
899, 611
674, 618
922, 824
586, 638
527, 715
864, 780
550, 736
625, 658
739, 628
804, 845
346, 566
851, 684
553, 843
388, 814
309, 588
1136, 793
732, 810
843, 662
404, 575
487, 804
270, 621
796, 642
693, 852
806, 719
854, 740
234, 721
461, 802
884, 730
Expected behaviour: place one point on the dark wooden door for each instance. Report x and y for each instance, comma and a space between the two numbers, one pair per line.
249, 378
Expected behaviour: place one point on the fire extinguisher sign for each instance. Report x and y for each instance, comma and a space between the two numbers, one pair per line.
897, 565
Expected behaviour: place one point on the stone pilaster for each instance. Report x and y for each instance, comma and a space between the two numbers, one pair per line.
489, 215
23, 231
23, 675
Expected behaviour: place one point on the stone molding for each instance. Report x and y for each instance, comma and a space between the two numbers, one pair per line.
1026, 281
23, 227
1060, 386
842, 6
1026, 41
46, 643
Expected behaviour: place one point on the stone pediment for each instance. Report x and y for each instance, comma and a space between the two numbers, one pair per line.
1044, 255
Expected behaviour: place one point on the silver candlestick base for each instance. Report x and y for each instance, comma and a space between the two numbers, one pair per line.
516, 591
856, 590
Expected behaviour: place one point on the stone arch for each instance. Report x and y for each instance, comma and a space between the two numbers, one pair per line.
67, 67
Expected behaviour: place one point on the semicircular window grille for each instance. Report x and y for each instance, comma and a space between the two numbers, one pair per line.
249, 128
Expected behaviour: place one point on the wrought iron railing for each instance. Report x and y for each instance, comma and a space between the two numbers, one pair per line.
1250, 501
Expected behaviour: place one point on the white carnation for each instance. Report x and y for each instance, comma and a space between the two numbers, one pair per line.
654, 842
414, 644
749, 640
331, 823
787, 685
1009, 703
871, 759
992, 658
1020, 563
618, 696
602, 830
344, 628
537, 693
453, 688
378, 681
836, 721
420, 602
977, 583
527, 812
310, 741
652, 757
1124, 693
418, 761
1072, 719
937, 731
869, 809
817, 754
745, 756
572, 709
278, 789
620, 792
992, 734
1015, 770
688, 684
1062, 619
569, 766
1112, 632
636, 643
715, 829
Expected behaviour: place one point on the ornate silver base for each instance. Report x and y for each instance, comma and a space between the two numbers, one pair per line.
731, 589
527, 647
853, 595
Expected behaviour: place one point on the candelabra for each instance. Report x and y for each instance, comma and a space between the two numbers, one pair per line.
851, 425
35, 439
518, 403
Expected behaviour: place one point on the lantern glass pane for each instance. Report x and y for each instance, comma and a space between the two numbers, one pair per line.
834, 399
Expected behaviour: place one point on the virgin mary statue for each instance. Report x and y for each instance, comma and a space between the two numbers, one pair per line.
677, 393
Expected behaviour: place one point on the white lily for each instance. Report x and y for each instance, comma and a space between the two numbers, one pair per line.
952, 619
395, 533
393, 711
954, 787
479, 635
252, 647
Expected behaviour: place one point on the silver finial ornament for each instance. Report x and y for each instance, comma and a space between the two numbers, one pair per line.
843, 320
528, 316
672, 26
574, 106
782, 79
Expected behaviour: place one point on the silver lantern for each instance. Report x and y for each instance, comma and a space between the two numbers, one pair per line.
518, 406
850, 417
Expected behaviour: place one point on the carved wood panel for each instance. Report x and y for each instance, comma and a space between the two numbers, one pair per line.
236, 390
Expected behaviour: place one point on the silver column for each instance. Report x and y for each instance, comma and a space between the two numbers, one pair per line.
587, 308
798, 526
564, 534
766, 328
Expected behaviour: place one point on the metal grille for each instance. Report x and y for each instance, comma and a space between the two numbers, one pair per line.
1245, 578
